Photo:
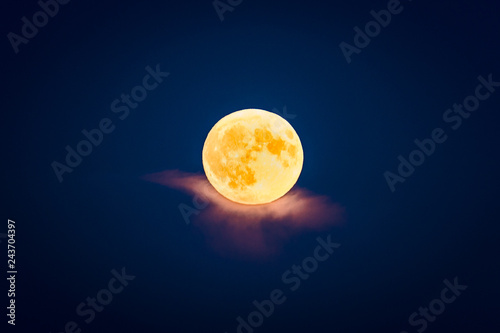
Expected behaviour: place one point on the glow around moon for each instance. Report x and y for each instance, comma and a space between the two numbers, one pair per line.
252, 156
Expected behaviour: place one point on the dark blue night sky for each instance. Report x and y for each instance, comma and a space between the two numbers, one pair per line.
397, 105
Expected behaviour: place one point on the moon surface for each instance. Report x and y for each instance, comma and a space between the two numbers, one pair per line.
252, 156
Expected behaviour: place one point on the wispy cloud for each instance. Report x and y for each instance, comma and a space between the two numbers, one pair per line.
235, 229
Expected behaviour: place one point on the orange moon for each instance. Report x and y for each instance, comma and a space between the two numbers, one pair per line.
252, 156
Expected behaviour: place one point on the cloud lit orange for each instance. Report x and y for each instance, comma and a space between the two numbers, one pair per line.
250, 230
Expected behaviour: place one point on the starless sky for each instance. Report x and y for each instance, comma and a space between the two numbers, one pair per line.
354, 121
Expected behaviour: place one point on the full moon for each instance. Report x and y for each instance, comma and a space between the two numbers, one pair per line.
252, 156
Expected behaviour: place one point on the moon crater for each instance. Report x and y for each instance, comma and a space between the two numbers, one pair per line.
252, 156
